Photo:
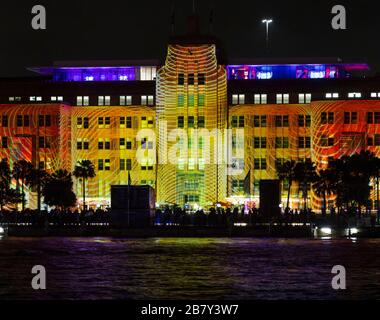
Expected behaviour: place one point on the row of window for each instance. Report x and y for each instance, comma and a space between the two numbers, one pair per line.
105, 144
192, 122
24, 120
281, 142
124, 122
305, 120
191, 79
124, 165
284, 98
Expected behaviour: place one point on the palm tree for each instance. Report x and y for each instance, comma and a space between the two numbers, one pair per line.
287, 172
305, 174
36, 179
58, 190
5, 182
21, 170
324, 186
84, 170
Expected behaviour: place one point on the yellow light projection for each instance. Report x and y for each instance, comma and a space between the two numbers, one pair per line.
191, 97
111, 137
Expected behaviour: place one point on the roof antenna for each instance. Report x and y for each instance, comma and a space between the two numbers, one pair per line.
211, 20
172, 19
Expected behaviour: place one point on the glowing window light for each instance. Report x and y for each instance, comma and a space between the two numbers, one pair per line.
89, 78
264, 75
317, 74
123, 78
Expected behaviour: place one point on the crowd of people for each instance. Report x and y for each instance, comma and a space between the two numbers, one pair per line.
174, 216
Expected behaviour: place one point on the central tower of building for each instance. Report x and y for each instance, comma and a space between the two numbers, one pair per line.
191, 118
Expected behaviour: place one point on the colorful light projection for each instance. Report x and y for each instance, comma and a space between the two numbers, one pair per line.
112, 142
292, 71
331, 136
181, 93
36, 133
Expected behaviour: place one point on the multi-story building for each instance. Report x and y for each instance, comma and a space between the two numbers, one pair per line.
200, 128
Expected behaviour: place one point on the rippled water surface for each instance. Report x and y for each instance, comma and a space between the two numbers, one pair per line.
188, 268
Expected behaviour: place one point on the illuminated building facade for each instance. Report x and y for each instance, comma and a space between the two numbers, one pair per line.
138, 116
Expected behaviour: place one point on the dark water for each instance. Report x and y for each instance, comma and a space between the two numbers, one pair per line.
94, 268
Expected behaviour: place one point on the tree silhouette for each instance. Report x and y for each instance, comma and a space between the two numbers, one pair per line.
58, 190
287, 172
84, 170
21, 170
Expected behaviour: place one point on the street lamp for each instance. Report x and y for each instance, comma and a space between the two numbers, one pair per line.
267, 22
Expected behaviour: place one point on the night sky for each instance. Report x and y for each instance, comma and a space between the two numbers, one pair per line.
130, 29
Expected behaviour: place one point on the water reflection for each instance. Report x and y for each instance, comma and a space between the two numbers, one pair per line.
189, 268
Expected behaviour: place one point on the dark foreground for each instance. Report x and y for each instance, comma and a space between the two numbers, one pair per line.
189, 268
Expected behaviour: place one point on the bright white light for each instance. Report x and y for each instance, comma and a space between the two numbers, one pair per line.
1, 230
267, 21
354, 230
326, 230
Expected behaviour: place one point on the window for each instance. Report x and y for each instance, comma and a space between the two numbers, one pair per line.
281, 121
190, 100
4, 142
181, 79
260, 142
260, 98
350, 117
43, 142
375, 94
44, 120
82, 100
122, 143
180, 121
125, 122
282, 142
327, 118
125, 164
260, 164
147, 100
35, 98
373, 117
56, 98
201, 100
354, 95
104, 100
377, 140
146, 144
12, 99
304, 142
282, 98
129, 144
190, 121
22, 121
238, 98
148, 73
190, 80
370, 141
201, 122
181, 100
260, 121
332, 95
104, 144
304, 98
237, 122
4, 121
326, 141
201, 79
304, 120
82, 144
125, 100
147, 122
